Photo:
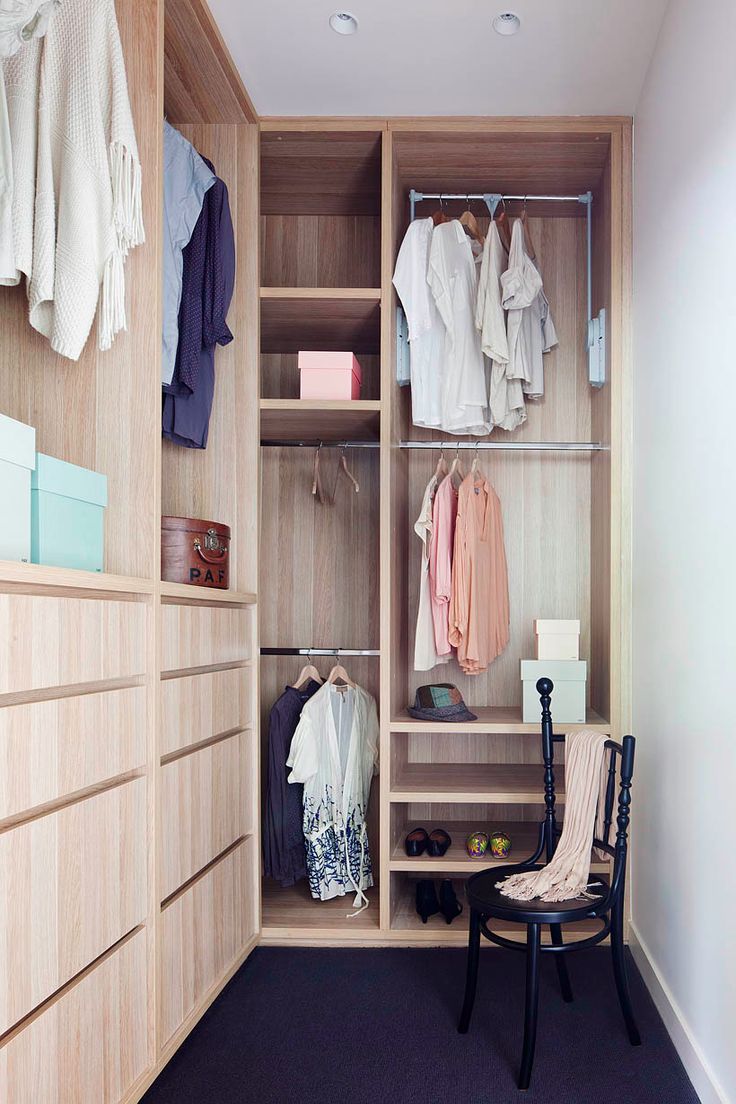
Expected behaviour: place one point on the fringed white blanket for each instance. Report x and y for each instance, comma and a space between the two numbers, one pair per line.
566, 876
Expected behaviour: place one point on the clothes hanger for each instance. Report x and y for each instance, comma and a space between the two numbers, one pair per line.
339, 672
476, 460
456, 472
528, 244
441, 470
502, 222
343, 467
440, 216
470, 222
308, 671
317, 486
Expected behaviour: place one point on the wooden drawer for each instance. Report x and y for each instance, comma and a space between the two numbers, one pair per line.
203, 932
90, 1045
202, 809
200, 636
197, 707
62, 641
53, 748
71, 884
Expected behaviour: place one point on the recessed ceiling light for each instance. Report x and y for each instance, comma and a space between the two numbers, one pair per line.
344, 23
507, 23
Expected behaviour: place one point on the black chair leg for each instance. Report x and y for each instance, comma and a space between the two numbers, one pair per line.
561, 964
471, 978
533, 940
619, 972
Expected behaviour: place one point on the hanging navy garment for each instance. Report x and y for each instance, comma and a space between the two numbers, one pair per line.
207, 289
284, 854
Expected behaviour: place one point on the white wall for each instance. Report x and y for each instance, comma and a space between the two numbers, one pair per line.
684, 807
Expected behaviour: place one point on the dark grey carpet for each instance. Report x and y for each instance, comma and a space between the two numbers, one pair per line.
313, 1026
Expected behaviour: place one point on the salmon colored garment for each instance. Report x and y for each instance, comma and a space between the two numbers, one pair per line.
444, 510
479, 606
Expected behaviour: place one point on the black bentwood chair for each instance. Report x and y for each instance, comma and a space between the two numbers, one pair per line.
607, 904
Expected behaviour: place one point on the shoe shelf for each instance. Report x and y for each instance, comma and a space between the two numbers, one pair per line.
474, 783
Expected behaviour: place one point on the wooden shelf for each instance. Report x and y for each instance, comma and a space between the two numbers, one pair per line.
293, 914
320, 420
206, 596
405, 919
30, 578
500, 719
326, 319
477, 783
523, 836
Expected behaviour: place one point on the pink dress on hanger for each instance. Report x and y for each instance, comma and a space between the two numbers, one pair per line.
444, 512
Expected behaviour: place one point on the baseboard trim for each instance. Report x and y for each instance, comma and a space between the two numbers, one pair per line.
698, 1070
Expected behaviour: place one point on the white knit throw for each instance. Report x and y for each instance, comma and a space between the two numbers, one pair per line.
87, 188
586, 778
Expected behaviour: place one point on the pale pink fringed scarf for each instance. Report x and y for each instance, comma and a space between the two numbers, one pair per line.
586, 779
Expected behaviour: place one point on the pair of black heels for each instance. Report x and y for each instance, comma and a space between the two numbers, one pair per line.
419, 840
429, 904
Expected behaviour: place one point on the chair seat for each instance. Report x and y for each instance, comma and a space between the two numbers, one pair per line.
485, 898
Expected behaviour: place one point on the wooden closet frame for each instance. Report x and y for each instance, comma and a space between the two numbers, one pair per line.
132, 629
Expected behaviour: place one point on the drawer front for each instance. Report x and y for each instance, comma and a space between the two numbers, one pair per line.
203, 932
54, 748
197, 707
89, 1046
202, 809
71, 884
200, 636
62, 641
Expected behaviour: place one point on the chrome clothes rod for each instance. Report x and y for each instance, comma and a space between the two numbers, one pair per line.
319, 652
323, 444
507, 446
596, 325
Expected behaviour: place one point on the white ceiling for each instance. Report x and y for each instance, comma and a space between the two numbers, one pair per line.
441, 57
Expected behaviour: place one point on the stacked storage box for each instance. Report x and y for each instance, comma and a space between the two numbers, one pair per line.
558, 650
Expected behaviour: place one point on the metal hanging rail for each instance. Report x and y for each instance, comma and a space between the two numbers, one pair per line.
508, 446
323, 444
596, 326
319, 652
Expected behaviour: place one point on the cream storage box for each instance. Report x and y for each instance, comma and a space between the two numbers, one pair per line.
17, 461
568, 696
557, 639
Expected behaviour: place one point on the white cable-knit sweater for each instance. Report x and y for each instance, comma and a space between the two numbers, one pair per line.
88, 177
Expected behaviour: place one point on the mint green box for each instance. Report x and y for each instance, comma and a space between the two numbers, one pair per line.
67, 515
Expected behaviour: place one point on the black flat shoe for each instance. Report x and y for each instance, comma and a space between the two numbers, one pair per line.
427, 903
416, 842
438, 842
449, 904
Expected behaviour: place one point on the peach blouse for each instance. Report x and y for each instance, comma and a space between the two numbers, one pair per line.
479, 604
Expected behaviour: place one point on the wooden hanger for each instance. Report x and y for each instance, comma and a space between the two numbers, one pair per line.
502, 222
439, 216
343, 467
456, 473
528, 244
339, 672
441, 470
308, 671
317, 486
476, 460
470, 222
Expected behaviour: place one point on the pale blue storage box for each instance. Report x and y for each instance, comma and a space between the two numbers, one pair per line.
17, 460
67, 515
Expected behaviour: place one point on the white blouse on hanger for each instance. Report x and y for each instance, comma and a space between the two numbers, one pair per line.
506, 395
334, 752
530, 328
453, 280
426, 328
425, 652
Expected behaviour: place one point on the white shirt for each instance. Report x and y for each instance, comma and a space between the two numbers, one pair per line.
426, 328
530, 328
334, 752
453, 280
425, 652
22, 20
506, 396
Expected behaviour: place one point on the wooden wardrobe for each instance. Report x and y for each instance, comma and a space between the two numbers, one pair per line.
133, 712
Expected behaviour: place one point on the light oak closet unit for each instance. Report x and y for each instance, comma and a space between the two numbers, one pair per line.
129, 853
334, 198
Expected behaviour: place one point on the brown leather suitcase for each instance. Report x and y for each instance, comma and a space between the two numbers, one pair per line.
195, 552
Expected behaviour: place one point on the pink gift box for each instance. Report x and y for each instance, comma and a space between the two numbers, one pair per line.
329, 376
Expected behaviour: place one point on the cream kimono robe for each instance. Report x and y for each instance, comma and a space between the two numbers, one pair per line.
334, 752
